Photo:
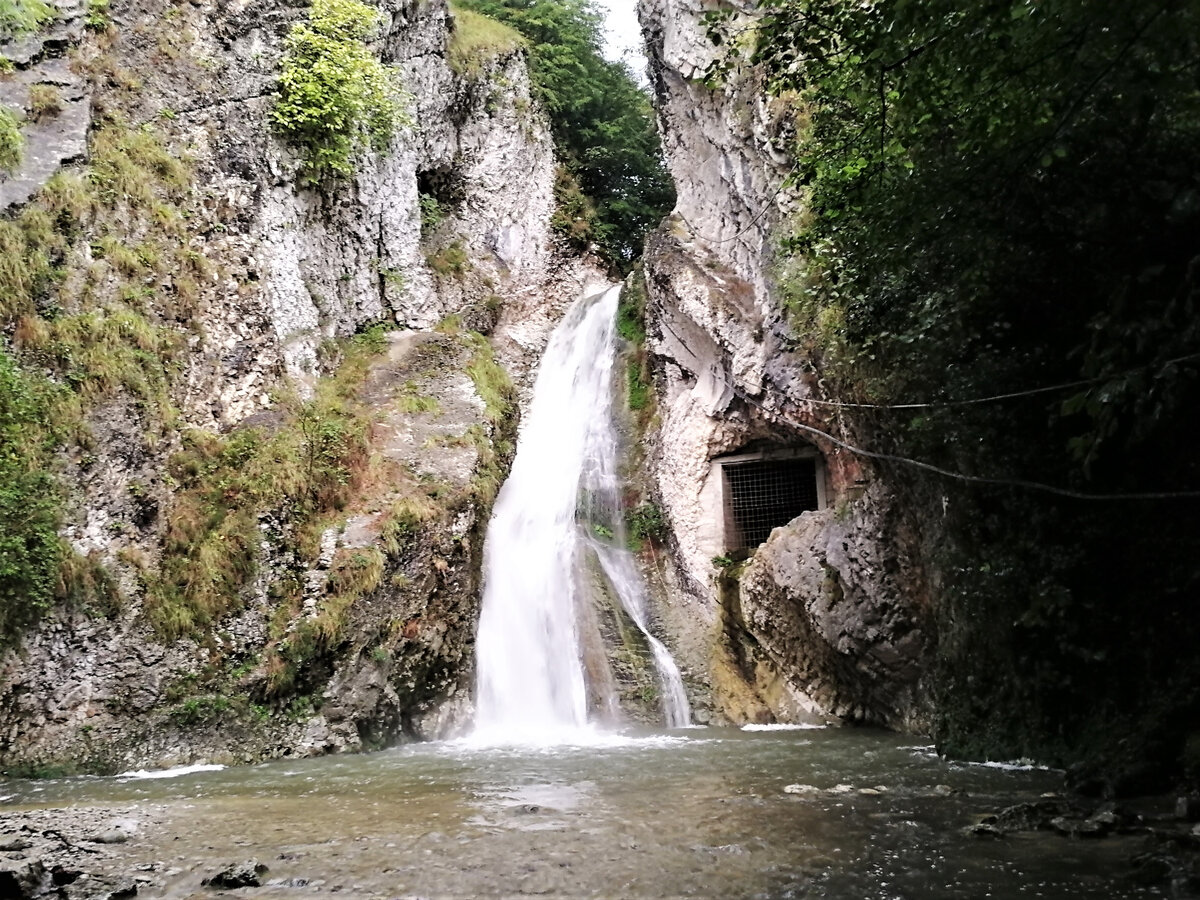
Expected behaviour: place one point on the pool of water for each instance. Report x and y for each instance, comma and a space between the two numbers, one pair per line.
691, 813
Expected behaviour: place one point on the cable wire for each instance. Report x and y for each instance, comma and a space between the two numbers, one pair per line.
972, 479
942, 404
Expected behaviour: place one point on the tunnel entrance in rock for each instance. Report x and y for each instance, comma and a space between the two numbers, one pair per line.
767, 489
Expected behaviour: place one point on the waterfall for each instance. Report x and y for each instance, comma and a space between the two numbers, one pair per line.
530, 679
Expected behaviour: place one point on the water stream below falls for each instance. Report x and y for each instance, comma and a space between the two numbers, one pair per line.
703, 812
558, 511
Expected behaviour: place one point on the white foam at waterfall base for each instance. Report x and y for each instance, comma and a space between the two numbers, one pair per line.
175, 772
530, 684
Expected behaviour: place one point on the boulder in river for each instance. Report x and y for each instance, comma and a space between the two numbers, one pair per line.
238, 875
21, 879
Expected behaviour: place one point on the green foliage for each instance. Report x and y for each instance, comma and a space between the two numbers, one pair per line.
132, 166
603, 126
199, 710
63, 362
97, 15
105, 350
574, 216
308, 466
491, 380
30, 551
1003, 196
409, 399
450, 260
45, 102
640, 391
477, 39
631, 313
646, 523
12, 142
18, 17
334, 95
137, 185
432, 213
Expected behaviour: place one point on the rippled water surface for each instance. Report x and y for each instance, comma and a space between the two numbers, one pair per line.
699, 812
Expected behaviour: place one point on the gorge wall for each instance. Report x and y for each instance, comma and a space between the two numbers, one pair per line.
981, 570
279, 539
829, 619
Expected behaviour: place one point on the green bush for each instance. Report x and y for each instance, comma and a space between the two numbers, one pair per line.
452, 260
19, 17
30, 551
646, 523
639, 387
12, 144
334, 95
432, 213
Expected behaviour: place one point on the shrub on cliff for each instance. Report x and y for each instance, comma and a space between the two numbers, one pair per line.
30, 552
19, 17
334, 95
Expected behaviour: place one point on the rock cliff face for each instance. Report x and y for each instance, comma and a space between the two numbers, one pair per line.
349, 630
827, 617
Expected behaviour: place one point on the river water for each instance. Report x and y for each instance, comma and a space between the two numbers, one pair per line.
704, 812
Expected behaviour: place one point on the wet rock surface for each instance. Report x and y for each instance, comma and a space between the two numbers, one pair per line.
238, 875
76, 853
1169, 853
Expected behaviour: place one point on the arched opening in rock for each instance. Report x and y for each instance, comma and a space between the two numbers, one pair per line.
441, 190
444, 184
763, 488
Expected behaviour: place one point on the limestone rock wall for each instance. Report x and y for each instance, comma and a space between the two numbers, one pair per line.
286, 267
827, 619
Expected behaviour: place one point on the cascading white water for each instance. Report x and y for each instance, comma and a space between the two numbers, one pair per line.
530, 683
621, 573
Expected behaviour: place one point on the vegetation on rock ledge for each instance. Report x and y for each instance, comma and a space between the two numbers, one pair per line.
12, 144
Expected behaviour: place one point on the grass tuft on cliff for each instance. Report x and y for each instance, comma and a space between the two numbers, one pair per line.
12, 143
478, 39
18, 17
334, 95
